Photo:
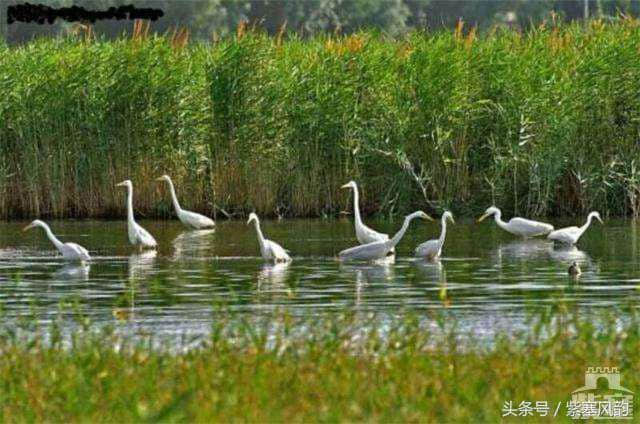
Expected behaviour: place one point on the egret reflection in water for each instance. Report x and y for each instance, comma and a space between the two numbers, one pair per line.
374, 274
274, 275
173, 296
431, 269
192, 243
79, 271
141, 264
527, 249
370, 272
568, 254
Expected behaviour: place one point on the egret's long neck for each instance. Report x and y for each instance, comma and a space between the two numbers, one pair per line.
443, 233
130, 219
174, 198
356, 205
498, 218
396, 239
259, 231
586, 224
57, 243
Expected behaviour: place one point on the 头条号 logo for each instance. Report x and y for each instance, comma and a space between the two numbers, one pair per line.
590, 401
601, 397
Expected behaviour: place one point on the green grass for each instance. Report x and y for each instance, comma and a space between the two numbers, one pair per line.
314, 370
540, 123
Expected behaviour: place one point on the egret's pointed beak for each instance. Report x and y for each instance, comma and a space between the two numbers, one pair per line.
28, 227
347, 185
159, 178
249, 221
599, 219
453, 221
427, 217
482, 217
121, 184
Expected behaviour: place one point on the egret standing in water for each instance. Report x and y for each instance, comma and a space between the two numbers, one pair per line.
433, 248
70, 251
570, 235
364, 234
188, 218
270, 250
518, 226
380, 249
138, 236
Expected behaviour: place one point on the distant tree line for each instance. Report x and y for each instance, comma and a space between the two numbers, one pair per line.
207, 19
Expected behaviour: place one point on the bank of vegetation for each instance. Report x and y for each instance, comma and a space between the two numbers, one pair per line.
545, 122
331, 368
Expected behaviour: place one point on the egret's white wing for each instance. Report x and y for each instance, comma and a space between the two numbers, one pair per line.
76, 252
277, 252
144, 238
375, 250
565, 235
367, 235
529, 227
195, 220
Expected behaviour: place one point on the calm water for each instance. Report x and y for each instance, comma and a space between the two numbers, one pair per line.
485, 278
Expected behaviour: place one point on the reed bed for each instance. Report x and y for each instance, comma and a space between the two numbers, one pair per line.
328, 368
540, 123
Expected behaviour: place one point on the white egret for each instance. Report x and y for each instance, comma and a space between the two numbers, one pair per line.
70, 251
380, 249
518, 226
270, 250
138, 236
433, 248
188, 218
364, 234
570, 235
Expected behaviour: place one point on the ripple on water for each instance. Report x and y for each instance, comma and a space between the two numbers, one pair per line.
486, 285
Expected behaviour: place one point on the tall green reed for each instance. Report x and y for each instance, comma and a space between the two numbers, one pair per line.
540, 123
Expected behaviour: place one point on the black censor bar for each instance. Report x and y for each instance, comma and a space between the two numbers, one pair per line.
40, 14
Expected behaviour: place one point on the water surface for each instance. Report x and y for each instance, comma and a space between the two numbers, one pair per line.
487, 279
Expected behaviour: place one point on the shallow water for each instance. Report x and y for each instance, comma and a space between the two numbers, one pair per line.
487, 278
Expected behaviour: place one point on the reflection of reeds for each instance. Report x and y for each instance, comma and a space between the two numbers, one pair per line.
543, 122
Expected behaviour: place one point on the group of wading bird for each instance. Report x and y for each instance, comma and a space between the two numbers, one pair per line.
373, 245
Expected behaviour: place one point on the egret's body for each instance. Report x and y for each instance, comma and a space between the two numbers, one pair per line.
571, 235
380, 249
518, 226
364, 234
188, 218
433, 248
69, 251
138, 236
270, 250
